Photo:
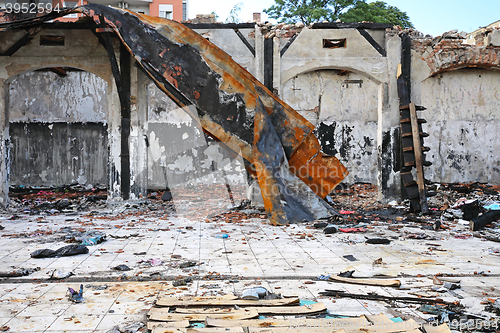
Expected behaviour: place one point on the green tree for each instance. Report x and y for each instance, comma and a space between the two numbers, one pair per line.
234, 13
308, 11
377, 12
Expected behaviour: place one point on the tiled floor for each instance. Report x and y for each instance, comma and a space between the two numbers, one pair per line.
256, 253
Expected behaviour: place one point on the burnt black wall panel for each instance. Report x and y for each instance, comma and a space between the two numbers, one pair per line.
54, 154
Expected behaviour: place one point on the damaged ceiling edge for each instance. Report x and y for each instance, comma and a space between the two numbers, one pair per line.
191, 70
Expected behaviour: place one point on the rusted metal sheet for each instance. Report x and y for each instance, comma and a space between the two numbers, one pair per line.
193, 71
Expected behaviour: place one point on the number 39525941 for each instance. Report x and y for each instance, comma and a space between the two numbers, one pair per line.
31, 8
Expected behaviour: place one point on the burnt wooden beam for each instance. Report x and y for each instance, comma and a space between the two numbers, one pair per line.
195, 26
30, 34
344, 25
288, 44
375, 297
483, 220
245, 41
268, 63
121, 75
60, 71
372, 42
125, 121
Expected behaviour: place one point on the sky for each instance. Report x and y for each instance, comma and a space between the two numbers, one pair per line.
432, 17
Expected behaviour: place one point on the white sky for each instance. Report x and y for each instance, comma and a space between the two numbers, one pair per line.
428, 16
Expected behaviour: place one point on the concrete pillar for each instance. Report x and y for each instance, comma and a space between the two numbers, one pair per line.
114, 137
388, 134
4, 136
276, 66
138, 134
259, 54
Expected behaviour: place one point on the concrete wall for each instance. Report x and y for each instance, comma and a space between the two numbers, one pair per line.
345, 115
179, 152
58, 129
463, 123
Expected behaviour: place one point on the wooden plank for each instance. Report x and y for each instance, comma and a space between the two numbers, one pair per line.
428, 328
163, 294
349, 324
161, 315
367, 282
380, 319
284, 310
419, 158
392, 327
176, 302
172, 324
293, 330
198, 330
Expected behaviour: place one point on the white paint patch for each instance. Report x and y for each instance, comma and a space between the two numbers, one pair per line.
43, 175
183, 163
155, 148
185, 136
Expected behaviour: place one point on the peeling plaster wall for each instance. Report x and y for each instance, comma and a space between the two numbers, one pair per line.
58, 129
179, 151
345, 114
463, 123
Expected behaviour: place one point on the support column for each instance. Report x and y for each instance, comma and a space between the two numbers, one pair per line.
114, 139
259, 54
138, 135
276, 66
4, 136
388, 131
125, 121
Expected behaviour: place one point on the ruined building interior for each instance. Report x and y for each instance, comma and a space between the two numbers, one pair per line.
250, 176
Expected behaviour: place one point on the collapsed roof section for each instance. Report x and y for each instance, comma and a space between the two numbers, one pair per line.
277, 144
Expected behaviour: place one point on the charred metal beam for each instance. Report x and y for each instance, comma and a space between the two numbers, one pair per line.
343, 25
245, 41
372, 42
125, 121
268, 63
195, 26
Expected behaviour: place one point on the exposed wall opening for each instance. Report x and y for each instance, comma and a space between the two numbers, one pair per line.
58, 129
51, 40
334, 43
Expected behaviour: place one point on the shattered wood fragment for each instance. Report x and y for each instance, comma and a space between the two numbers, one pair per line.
367, 282
175, 302
162, 315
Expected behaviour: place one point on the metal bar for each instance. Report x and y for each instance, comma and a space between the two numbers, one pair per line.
245, 41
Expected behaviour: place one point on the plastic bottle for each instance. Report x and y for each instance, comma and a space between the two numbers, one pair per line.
221, 235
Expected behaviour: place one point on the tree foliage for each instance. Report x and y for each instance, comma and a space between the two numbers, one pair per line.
377, 12
308, 11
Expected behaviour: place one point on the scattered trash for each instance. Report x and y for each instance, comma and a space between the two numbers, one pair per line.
352, 229
65, 251
345, 212
323, 277
330, 230
76, 296
492, 206
254, 293
346, 274
122, 267
378, 261
182, 281
58, 275
320, 225
124, 236
378, 241
350, 257
18, 273
221, 235
188, 264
